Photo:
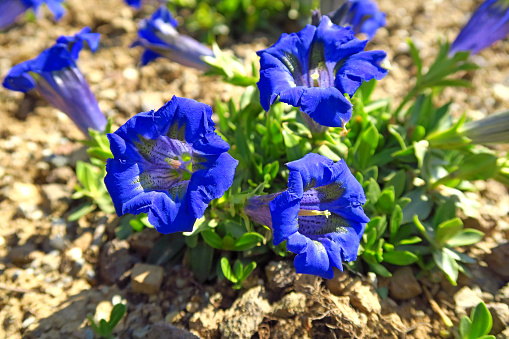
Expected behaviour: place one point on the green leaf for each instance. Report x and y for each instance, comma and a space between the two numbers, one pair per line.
398, 181
248, 241
465, 237
447, 264
367, 145
464, 327
238, 268
395, 223
201, 261
481, 321
247, 270
444, 212
373, 192
227, 270
379, 269
81, 211
166, 248
385, 202
448, 229
401, 258
117, 313
212, 239
419, 205
414, 53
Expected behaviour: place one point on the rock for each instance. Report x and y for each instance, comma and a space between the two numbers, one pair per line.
503, 295
290, 305
57, 195
497, 260
165, 331
206, 322
339, 282
22, 255
351, 321
403, 284
146, 278
61, 175
103, 311
466, 299
114, 260
242, 319
364, 298
280, 274
143, 242
500, 315
29, 211
84, 241
150, 101
23, 193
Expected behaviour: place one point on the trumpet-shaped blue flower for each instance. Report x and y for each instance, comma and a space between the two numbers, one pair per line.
314, 68
159, 37
363, 15
320, 215
10, 10
169, 164
54, 75
488, 24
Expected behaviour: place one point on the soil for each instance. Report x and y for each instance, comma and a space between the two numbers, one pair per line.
54, 272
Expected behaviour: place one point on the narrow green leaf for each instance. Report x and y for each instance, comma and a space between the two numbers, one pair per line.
117, 313
238, 268
401, 258
464, 327
212, 239
227, 270
465, 237
201, 261
81, 211
447, 264
481, 321
448, 229
248, 241
395, 223
247, 271
444, 212
166, 248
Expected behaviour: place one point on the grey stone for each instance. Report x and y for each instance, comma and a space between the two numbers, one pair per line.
280, 274
246, 314
500, 315
497, 260
403, 284
115, 260
364, 298
466, 299
290, 305
57, 195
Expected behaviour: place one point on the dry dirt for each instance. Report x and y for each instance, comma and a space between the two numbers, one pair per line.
54, 272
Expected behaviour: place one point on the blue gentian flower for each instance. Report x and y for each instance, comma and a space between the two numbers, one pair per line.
314, 68
488, 24
169, 164
10, 10
160, 39
362, 15
320, 215
55, 76
134, 3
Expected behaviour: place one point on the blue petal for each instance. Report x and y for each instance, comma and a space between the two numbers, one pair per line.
148, 56
326, 106
312, 257
76, 42
11, 10
363, 66
211, 183
134, 3
55, 6
314, 169
348, 241
18, 78
284, 210
488, 24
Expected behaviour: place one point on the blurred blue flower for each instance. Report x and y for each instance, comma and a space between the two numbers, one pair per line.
54, 75
160, 39
320, 214
488, 24
312, 69
169, 164
10, 10
134, 3
362, 15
